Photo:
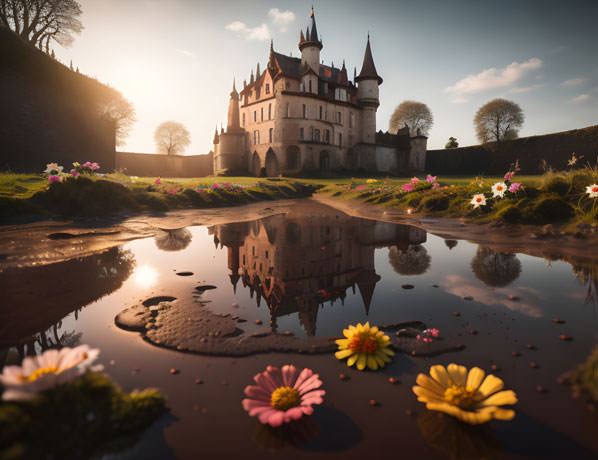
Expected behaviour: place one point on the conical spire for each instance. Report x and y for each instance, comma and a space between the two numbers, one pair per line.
233, 111
314, 30
368, 69
257, 72
301, 37
311, 34
234, 92
216, 140
251, 79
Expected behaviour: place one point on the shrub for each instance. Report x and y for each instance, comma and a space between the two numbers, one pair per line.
552, 208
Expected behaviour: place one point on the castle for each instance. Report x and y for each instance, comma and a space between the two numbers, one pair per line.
301, 115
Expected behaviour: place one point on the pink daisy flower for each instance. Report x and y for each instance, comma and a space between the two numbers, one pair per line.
435, 185
54, 179
509, 175
515, 187
414, 180
408, 188
157, 181
283, 395
87, 164
430, 179
94, 166
361, 187
74, 172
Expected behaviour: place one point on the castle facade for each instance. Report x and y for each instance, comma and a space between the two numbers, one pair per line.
300, 115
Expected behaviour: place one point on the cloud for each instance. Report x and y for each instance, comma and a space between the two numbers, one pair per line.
575, 81
525, 89
459, 100
581, 98
494, 78
187, 53
281, 18
261, 32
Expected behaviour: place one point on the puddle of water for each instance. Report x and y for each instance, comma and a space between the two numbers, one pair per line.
312, 272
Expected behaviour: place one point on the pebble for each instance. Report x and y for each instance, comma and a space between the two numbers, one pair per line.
413, 353
530, 346
373, 403
135, 370
198, 381
533, 365
112, 362
558, 321
473, 332
515, 353
565, 337
203, 340
460, 346
394, 380
540, 389
408, 412
224, 382
258, 321
174, 371
287, 333
407, 286
235, 305
435, 286
468, 297
514, 297
343, 377
495, 368
456, 313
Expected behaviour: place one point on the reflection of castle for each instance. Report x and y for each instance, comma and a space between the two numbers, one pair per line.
298, 261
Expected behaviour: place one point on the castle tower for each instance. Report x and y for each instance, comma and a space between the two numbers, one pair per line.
368, 82
233, 123
310, 45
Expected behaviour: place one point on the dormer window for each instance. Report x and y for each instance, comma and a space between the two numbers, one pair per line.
267, 88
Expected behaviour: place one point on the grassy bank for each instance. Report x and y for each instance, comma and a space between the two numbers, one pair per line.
550, 198
33, 195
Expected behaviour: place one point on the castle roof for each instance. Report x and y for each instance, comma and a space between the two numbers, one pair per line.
368, 69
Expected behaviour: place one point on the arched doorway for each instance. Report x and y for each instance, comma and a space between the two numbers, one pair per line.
292, 157
324, 160
256, 165
272, 168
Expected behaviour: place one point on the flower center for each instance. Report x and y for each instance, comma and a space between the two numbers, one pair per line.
595, 189
464, 397
39, 373
499, 188
478, 199
366, 344
283, 398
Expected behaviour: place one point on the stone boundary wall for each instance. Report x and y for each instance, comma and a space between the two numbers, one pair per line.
495, 159
148, 164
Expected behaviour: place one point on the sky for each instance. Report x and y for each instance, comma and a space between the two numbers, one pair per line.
176, 59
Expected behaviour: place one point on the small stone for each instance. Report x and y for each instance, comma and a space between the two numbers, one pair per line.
460, 346
540, 389
435, 286
343, 377
287, 333
198, 381
195, 407
203, 340
241, 320
373, 403
135, 370
515, 353
258, 321
495, 368
174, 371
394, 380
112, 362
408, 412
514, 297
413, 353
565, 337
473, 332
407, 286
456, 313
468, 297
533, 365
223, 382
530, 346
235, 305
204, 410
558, 321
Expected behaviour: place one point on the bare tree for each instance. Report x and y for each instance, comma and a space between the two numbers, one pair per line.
171, 138
498, 120
415, 115
40, 22
115, 107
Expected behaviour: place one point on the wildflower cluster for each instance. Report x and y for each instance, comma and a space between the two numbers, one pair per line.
56, 173
85, 168
226, 186
379, 186
499, 190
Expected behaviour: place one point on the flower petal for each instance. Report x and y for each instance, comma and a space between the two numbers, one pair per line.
490, 385
361, 361
430, 384
457, 373
342, 354
289, 373
500, 398
475, 377
439, 373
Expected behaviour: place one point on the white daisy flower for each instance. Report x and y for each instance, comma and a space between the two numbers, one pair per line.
53, 168
592, 190
499, 189
51, 368
478, 200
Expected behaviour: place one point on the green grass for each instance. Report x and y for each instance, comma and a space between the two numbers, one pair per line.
86, 416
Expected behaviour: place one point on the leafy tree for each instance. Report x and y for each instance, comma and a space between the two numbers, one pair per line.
40, 22
171, 138
452, 143
415, 115
115, 107
498, 120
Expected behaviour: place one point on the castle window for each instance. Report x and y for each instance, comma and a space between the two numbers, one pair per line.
350, 139
327, 136
267, 88
310, 85
340, 139
304, 111
270, 134
302, 87
288, 110
269, 111
243, 259
351, 116
266, 253
243, 123
262, 113
301, 133
254, 115
256, 137
257, 93
316, 137
320, 112
338, 117
253, 250
288, 84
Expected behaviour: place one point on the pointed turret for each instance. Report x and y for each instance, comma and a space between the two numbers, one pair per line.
314, 31
368, 69
310, 46
301, 37
216, 138
233, 123
251, 79
257, 72
366, 284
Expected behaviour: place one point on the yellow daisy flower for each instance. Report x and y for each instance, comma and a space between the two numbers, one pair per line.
364, 345
466, 395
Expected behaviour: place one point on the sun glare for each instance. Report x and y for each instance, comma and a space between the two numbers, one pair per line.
145, 276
